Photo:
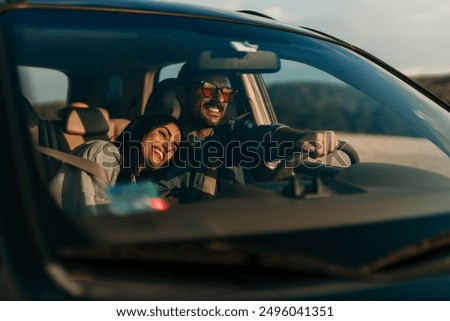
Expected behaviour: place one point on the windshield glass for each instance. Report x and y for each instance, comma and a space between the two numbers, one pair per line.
394, 140
382, 118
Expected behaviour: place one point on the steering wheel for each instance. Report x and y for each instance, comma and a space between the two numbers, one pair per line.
285, 168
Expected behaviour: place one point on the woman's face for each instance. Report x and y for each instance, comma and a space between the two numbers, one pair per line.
160, 144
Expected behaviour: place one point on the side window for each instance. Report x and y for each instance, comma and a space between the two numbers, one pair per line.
45, 88
170, 71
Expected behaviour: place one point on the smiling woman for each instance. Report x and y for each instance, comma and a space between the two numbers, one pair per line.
143, 148
159, 145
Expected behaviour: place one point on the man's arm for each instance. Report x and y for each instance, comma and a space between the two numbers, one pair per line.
317, 143
278, 141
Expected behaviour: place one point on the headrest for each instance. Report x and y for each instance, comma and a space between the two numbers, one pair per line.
163, 99
84, 121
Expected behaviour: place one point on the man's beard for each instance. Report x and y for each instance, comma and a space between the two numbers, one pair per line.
202, 120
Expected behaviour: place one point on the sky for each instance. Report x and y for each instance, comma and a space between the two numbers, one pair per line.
410, 35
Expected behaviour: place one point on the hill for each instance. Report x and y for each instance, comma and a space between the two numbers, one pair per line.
438, 85
319, 106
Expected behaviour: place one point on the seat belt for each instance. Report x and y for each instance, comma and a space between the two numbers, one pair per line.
210, 182
86, 165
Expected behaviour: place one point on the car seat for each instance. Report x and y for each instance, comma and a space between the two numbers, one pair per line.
77, 124
163, 99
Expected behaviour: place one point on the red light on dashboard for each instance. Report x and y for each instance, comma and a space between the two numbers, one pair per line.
159, 204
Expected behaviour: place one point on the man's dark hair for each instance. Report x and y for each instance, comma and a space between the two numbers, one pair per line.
188, 73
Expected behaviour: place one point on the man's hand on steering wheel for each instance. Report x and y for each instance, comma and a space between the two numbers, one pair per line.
317, 144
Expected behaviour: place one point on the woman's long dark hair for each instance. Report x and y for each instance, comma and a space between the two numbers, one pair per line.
129, 142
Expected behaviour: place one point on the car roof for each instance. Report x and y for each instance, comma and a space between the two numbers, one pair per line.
161, 8
174, 8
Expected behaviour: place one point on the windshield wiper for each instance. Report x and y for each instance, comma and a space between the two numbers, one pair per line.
229, 254
222, 254
413, 252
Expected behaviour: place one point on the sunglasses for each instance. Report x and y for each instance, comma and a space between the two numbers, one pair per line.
209, 90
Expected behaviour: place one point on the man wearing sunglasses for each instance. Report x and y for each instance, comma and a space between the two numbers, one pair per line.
204, 98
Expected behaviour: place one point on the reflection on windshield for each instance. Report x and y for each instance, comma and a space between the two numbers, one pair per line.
129, 199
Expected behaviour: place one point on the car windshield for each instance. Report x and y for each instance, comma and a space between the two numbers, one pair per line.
114, 62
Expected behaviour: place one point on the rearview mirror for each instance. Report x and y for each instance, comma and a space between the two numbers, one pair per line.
239, 62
